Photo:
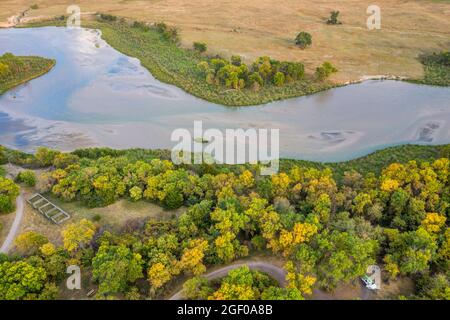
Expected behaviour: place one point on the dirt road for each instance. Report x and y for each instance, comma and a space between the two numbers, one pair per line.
274, 271
15, 226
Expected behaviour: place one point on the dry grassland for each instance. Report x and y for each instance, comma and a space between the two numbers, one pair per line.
262, 27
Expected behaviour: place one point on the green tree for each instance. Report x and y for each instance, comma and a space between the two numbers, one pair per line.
411, 252
197, 288
279, 79
27, 177
343, 257
242, 284
303, 39
20, 280
115, 267
436, 287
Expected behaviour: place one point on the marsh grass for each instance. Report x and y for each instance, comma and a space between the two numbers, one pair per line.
436, 69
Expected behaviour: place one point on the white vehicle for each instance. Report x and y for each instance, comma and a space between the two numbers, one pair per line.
369, 282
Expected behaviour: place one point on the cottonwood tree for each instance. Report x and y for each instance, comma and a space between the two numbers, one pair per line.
115, 267
78, 235
303, 40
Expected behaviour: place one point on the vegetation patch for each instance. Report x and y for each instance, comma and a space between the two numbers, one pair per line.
27, 177
327, 231
156, 46
239, 284
436, 68
17, 70
9, 191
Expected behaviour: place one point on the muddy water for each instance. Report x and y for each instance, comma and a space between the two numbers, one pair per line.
96, 96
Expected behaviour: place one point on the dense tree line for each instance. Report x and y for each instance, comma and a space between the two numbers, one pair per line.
263, 71
327, 232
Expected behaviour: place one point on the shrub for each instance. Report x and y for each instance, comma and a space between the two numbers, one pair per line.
232, 76
200, 47
168, 33
45, 156
236, 60
136, 193
263, 66
141, 25
96, 218
333, 18
27, 177
4, 69
325, 70
442, 59
204, 68
255, 80
197, 288
292, 70
278, 79
8, 194
218, 63
303, 40
107, 17
161, 27
28, 243
63, 160
34, 6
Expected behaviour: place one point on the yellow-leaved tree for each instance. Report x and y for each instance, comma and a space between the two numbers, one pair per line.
192, 258
78, 235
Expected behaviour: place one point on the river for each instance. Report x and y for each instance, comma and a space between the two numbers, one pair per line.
96, 96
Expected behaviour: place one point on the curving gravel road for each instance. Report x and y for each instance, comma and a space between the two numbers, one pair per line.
279, 274
14, 227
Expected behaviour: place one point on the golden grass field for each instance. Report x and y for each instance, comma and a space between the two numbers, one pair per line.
262, 27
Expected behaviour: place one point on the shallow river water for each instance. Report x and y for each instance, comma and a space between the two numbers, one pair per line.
96, 96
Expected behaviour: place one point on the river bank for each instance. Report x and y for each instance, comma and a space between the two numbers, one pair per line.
105, 98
